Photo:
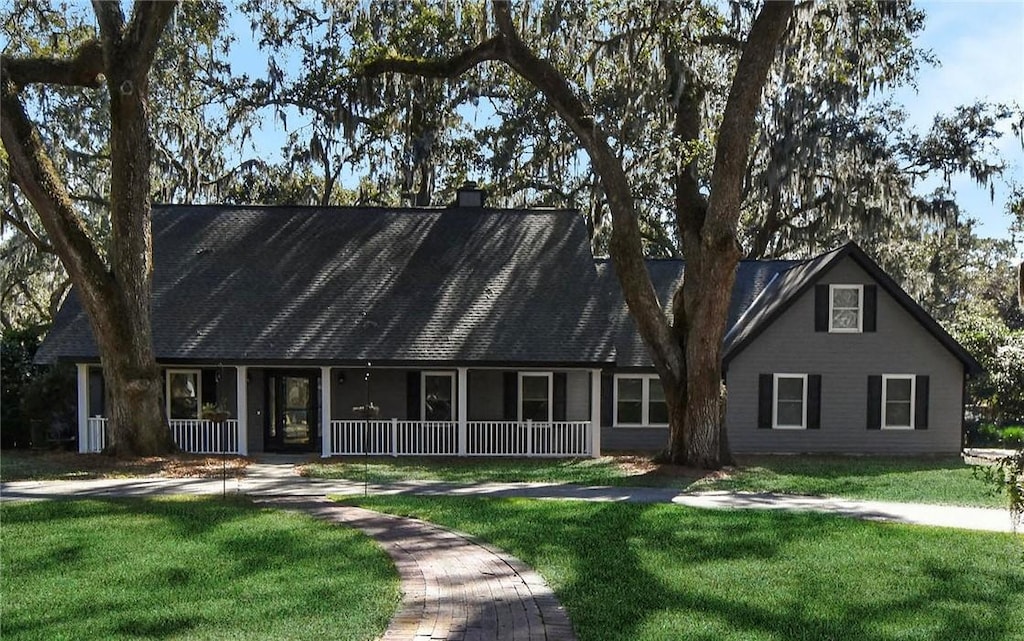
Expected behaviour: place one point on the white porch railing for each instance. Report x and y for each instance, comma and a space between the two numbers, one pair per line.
194, 436
441, 438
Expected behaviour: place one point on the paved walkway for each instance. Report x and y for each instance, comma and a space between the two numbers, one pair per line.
452, 586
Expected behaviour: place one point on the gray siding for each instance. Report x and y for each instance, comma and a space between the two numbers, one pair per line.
486, 398
640, 439
387, 391
899, 346
254, 393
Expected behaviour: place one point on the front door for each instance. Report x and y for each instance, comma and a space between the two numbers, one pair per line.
292, 423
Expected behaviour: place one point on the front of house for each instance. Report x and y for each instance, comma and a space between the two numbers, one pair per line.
483, 332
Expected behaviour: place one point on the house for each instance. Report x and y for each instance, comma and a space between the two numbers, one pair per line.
481, 332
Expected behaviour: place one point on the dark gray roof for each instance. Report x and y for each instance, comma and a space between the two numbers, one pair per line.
752, 276
337, 285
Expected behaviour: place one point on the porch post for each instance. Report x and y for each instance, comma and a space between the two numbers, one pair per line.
325, 411
83, 408
462, 390
595, 413
242, 408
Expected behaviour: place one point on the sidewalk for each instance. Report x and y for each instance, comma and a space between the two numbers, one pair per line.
280, 480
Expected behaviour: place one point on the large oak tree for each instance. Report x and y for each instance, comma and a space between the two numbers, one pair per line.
115, 291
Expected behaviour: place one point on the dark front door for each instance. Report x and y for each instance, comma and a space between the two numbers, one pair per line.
292, 423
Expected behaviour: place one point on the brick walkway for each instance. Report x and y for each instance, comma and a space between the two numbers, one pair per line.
453, 587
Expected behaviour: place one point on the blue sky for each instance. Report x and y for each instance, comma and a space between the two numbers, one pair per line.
980, 45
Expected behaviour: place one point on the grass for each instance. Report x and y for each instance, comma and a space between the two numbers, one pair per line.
187, 569
947, 481
38, 465
661, 572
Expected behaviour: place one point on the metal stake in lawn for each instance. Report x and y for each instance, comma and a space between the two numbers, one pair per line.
366, 433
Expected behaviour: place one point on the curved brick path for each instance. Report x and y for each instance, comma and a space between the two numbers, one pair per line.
453, 587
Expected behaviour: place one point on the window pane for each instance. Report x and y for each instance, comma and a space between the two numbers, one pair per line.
791, 389
897, 389
184, 401
657, 392
844, 318
790, 413
535, 410
437, 398
629, 412
658, 412
535, 387
631, 389
846, 297
897, 414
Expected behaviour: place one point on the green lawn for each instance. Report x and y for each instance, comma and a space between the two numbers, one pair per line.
921, 480
662, 572
187, 569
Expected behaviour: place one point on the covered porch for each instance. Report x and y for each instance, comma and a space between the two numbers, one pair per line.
433, 411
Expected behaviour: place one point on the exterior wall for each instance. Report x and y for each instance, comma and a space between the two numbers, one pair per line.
254, 394
227, 390
638, 439
899, 346
486, 397
387, 391
577, 396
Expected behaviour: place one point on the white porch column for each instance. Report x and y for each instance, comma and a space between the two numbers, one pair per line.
325, 411
83, 408
462, 390
242, 408
595, 413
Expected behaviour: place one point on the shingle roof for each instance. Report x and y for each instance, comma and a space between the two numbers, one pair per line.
752, 276
333, 285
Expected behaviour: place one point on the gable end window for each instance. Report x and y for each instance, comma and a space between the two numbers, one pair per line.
845, 309
789, 402
640, 401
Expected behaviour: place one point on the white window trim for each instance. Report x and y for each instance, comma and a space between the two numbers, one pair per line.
199, 392
423, 392
860, 309
645, 400
551, 393
775, 403
913, 399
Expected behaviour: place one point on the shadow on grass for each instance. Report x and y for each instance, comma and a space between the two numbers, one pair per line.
659, 572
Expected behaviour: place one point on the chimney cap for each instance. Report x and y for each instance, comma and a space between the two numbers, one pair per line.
470, 195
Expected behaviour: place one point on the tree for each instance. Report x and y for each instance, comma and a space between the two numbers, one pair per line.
117, 298
687, 350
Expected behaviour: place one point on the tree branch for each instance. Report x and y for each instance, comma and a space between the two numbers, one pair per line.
142, 36
85, 69
27, 231
491, 49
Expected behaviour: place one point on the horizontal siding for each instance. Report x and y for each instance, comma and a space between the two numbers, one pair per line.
844, 361
642, 439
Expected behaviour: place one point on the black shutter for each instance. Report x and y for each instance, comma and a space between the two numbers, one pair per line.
870, 308
607, 399
209, 387
558, 406
511, 396
412, 396
874, 402
766, 389
921, 403
821, 308
814, 402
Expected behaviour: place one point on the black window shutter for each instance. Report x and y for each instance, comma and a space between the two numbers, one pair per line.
821, 308
558, 406
921, 403
607, 399
766, 389
814, 402
874, 402
209, 387
412, 396
870, 308
511, 396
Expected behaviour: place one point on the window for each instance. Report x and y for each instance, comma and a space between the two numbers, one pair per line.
846, 308
898, 395
640, 401
535, 391
438, 396
183, 387
789, 407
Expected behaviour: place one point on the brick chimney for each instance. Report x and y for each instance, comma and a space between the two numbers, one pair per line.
470, 196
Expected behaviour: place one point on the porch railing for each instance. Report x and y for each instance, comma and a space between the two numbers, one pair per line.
194, 436
441, 438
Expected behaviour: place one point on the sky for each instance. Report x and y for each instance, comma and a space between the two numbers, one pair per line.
980, 45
